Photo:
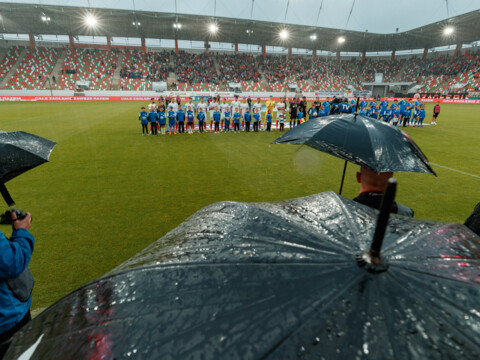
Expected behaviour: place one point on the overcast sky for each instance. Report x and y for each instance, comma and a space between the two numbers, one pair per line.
376, 16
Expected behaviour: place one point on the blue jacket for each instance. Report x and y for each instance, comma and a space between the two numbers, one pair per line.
143, 117
14, 258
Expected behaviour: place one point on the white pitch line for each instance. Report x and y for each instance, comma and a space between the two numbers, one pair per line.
456, 170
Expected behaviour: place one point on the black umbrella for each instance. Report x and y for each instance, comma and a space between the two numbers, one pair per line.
20, 152
361, 140
278, 281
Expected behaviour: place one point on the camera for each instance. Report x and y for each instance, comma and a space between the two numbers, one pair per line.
6, 217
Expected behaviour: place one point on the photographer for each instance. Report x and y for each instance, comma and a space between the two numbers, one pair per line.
16, 281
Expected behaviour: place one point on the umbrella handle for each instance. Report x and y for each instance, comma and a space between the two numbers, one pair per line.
6, 195
382, 220
343, 178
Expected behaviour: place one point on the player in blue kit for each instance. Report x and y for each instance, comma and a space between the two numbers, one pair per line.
247, 117
421, 115
363, 105
269, 120
256, 119
383, 110
143, 117
201, 120
326, 108
373, 112
171, 121
216, 118
190, 121
152, 118
353, 105
407, 113
226, 117
162, 119
344, 107
394, 112
236, 120
181, 120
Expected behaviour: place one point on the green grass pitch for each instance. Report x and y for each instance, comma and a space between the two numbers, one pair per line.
108, 192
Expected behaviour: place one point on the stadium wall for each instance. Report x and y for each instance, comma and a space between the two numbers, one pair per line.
61, 95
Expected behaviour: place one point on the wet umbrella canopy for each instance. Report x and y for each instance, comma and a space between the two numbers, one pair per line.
20, 152
361, 140
278, 281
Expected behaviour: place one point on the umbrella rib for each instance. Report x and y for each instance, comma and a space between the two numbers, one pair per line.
389, 321
331, 300
406, 268
427, 308
352, 225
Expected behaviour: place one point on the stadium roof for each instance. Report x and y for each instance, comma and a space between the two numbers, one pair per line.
367, 25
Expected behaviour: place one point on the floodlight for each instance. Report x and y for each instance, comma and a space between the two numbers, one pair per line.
283, 34
313, 37
91, 20
136, 23
213, 28
341, 40
177, 26
44, 18
448, 30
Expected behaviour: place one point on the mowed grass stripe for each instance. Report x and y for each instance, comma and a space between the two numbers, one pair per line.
108, 192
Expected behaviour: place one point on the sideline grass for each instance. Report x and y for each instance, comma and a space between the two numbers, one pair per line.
109, 192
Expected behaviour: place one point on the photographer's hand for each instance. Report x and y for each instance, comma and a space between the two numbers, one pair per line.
21, 224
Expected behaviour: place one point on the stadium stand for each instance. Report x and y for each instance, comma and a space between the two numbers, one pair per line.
94, 65
198, 87
194, 68
9, 60
253, 86
237, 68
32, 72
201, 72
140, 70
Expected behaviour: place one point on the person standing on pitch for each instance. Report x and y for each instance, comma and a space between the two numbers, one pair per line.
202, 105
234, 105
293, 111
172, 117
270, 106
256, 119
421, 115
236, 120
190, 120
181, 120
300, 116
243, 109
16, 281
281, 118
247, 117
162, 119
143, 117
211, 106
216, 118
258, 107
280, 106
201, 119
227, 121
269, 120
224, 108
152, 118
152, 105
436, 112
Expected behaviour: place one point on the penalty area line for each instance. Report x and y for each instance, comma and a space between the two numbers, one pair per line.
456, 170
